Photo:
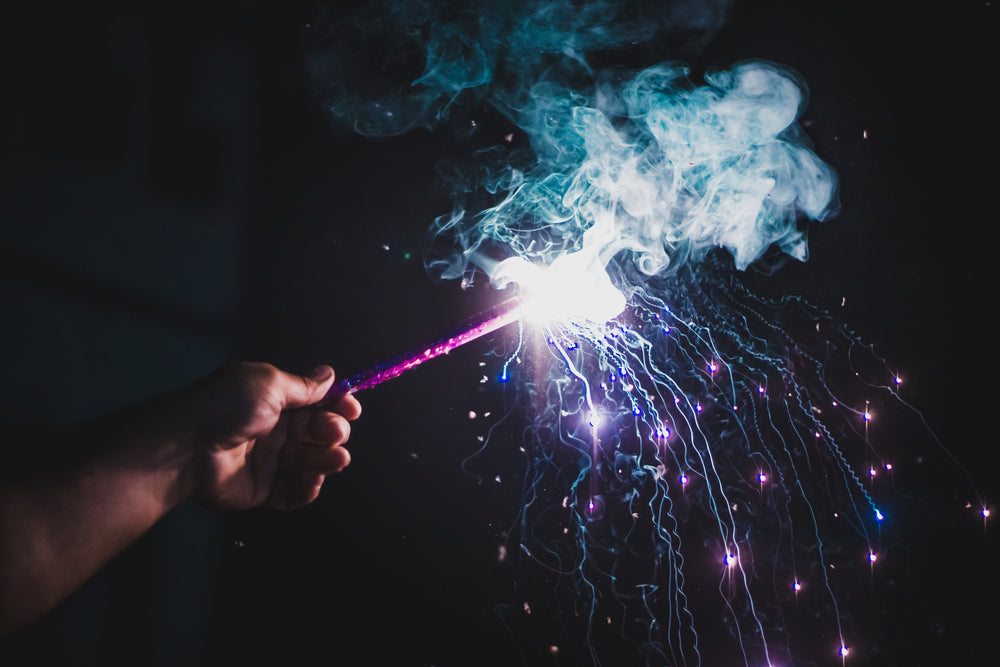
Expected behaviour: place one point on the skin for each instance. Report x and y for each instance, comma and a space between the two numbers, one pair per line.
249, 435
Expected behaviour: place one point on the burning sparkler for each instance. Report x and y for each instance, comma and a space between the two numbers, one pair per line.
624, 222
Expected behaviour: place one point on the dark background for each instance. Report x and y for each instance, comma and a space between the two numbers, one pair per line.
172, 198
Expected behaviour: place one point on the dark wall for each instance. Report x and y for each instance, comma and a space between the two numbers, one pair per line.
171, 198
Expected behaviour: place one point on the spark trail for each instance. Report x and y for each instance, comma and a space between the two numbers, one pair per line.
695, 411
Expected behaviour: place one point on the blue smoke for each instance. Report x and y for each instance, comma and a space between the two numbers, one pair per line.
653, 169
693, 426
395, 65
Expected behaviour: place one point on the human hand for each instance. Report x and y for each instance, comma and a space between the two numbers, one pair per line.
263, 441
247, 435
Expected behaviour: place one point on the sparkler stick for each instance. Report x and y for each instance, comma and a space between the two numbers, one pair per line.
478, 326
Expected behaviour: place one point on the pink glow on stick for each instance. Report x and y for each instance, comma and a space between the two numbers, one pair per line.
482, 324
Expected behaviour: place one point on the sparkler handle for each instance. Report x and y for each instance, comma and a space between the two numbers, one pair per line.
480, 325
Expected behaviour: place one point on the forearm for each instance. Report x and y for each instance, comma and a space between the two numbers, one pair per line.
59, 528
241, 438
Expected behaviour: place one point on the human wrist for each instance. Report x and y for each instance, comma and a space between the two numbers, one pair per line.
154, 446
178, 426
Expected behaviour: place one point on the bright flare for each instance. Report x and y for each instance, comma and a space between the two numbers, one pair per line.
573, 288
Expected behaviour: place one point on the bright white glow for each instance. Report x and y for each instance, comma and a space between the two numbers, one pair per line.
573, 288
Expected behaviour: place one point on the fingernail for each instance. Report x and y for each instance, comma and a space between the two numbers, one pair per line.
321, 373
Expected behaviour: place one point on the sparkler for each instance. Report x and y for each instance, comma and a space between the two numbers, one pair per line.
571, 289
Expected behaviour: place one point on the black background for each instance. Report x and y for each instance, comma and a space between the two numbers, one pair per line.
171, 198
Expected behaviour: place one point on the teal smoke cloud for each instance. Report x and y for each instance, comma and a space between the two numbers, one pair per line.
644, 168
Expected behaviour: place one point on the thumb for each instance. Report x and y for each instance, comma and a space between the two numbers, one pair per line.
303, 390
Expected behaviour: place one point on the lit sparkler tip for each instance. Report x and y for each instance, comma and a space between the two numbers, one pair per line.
762, 477
879, 516
575, 287
872, 556
730, 560
683, 479
844, 651
796, 587
986, 512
